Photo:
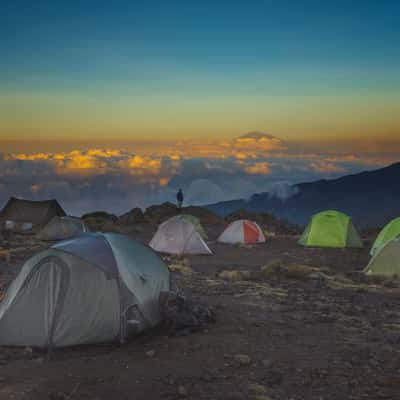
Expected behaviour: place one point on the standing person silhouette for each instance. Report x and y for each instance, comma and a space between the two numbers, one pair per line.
179, 198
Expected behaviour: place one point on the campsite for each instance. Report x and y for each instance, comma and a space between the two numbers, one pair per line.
291, 322
199, 200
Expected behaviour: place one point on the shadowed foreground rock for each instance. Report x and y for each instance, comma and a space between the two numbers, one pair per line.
135, 216
183, 316
100, 221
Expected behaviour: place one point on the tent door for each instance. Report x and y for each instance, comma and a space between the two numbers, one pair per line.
52, 276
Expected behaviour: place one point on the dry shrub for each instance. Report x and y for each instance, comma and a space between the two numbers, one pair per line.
276, 268
180, 268
234, 275
272, 269
299, 271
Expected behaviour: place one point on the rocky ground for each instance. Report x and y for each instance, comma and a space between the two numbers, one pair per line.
291, 323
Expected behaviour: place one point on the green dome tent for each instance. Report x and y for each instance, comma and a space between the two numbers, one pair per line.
196, 222
386, 261
330, 229
389, 232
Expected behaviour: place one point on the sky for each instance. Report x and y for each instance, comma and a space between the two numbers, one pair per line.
158, 94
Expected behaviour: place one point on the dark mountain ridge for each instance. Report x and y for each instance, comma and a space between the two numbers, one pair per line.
371, 198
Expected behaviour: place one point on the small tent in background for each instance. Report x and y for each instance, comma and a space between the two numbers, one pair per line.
386, 260
242, 231
23, 215
95, 288
60, 228
389, 232
178, 236
196, 222
330, 229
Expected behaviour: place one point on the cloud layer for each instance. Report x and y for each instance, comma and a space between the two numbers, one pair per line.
116, 180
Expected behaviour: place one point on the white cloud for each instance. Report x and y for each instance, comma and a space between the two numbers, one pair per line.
116, 180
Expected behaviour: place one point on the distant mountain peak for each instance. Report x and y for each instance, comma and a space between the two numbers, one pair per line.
257, 136
259, 140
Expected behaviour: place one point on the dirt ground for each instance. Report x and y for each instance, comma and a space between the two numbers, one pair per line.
332, 336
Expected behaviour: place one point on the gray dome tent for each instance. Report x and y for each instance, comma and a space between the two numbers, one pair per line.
95, 288
60, 228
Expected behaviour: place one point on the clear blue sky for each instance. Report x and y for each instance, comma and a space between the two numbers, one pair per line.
196, 50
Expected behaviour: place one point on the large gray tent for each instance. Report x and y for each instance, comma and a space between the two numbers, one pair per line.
18, 213
95, 288
60, 228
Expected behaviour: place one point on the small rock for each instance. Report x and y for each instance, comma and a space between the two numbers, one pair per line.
234, 396
318, 275
391, 283
256, 388
267, 363
274, 377
319, 279
150, 353
182, 391
326, 318
58, 396
242, 360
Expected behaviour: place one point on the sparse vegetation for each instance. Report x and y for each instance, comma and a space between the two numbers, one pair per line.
278, 306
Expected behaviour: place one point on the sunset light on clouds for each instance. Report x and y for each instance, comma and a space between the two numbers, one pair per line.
208, 171
119, 104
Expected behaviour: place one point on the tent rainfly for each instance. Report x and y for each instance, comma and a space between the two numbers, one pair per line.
18, 214
242, 231
386, 260
389, 232
178, 236
95, 288
196, 222
330, 229
60, 228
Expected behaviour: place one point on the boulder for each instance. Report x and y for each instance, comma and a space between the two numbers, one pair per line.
135, 216
100, 215
204, 215
160, 212
100, 221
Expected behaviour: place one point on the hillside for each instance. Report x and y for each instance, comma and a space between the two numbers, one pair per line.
371, 198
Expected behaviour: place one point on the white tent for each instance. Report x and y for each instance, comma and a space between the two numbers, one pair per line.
242, 231
179, 236
60, 228
92, 289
